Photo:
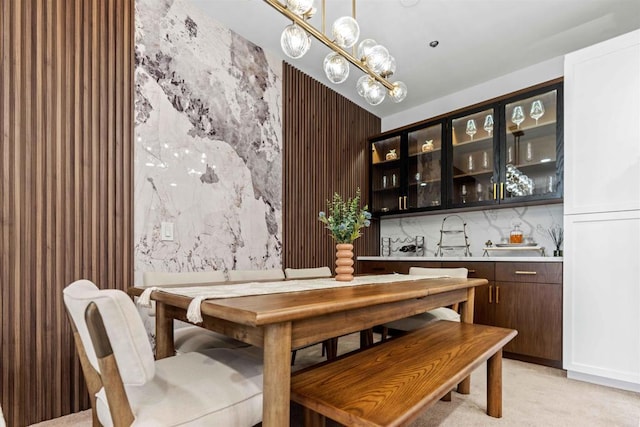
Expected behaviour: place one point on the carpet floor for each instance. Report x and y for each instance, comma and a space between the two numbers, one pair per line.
533, 395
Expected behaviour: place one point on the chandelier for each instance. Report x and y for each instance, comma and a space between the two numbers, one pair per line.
370, 57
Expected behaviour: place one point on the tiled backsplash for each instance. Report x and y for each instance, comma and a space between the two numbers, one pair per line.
488, 224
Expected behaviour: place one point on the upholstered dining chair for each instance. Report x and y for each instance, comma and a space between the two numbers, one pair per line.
248, 275
419, 320
127, 387
2, 422
186, 337
329, 346
307, 273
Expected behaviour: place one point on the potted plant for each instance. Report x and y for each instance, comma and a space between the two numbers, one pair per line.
344, 221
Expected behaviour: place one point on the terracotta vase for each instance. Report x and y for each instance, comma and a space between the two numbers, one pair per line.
344, 262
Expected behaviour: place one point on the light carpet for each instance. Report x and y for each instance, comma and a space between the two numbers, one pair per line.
533, 395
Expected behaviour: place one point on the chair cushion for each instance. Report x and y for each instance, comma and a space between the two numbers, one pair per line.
123, 325
218, 387
160, 278
307, 273
194, 338
423, 319
244, 275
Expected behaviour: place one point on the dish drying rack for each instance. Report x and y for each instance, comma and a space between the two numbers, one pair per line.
456, 230
390, 245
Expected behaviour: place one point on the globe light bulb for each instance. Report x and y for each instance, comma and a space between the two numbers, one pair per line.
364, 47
363, 84
375, 94
399, 92
295, 41
299, 7
336, 67
346, 31
377, 58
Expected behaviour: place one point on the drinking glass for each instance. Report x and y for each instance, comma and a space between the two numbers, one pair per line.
537, 110
529, 152
517, 116
471, 128
470, 166
485, 160
488, 124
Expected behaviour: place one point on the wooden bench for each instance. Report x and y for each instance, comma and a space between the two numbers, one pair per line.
393, 382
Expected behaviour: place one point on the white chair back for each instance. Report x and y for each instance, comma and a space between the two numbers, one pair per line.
2, 422
160, 278
247, 275
124, 327
307, 273
451, 272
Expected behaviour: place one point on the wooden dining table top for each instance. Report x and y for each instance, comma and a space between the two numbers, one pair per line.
258, 310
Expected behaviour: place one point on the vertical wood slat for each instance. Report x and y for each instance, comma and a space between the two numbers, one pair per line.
66, 94
325, 151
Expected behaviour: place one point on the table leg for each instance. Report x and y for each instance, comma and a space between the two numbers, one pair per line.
164, 332
494, 385
466, 316
276, 375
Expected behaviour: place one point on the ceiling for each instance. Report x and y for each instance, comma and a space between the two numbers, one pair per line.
480, 40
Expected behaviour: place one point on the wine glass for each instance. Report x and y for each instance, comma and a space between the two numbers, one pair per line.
488, 124
517, 116
471, 128
537, 110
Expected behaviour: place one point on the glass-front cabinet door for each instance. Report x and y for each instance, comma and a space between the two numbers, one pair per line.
424, 167
472, 158
386, 172
532, 164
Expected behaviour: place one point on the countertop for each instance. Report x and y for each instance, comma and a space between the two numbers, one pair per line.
462, 258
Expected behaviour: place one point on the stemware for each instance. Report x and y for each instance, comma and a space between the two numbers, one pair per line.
488, 124
537, 110
517, 116
471, 128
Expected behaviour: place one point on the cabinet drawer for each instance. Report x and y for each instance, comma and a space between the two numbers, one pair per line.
478, 269
530, 272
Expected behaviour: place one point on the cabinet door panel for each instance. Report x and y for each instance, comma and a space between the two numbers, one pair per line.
535, 310
602, 84
483, 308
602, 295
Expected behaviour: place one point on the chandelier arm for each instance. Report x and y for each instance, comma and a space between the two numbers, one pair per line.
327, 42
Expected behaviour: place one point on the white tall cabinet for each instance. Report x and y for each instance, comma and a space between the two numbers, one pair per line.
601, 341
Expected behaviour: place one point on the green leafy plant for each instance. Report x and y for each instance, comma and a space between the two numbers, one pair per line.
345, 218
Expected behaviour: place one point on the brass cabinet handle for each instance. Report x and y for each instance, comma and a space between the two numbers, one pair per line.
497, 294
471, 271
502, 191
495, 191
405, 203
400, 202
526, 273
490, 288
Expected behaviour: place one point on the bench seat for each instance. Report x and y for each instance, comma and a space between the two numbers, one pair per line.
393, 382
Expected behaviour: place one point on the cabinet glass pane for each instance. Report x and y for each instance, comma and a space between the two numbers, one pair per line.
472, 159
425, 167
530, 158
385, 175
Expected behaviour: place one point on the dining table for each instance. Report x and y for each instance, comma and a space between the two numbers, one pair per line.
282, 321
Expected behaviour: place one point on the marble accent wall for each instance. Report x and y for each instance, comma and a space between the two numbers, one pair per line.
488, 224
208, 150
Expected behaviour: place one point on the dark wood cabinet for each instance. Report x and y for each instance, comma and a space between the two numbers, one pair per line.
526, 296
504, 151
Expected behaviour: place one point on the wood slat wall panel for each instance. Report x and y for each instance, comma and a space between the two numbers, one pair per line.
66, 97
325, 151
